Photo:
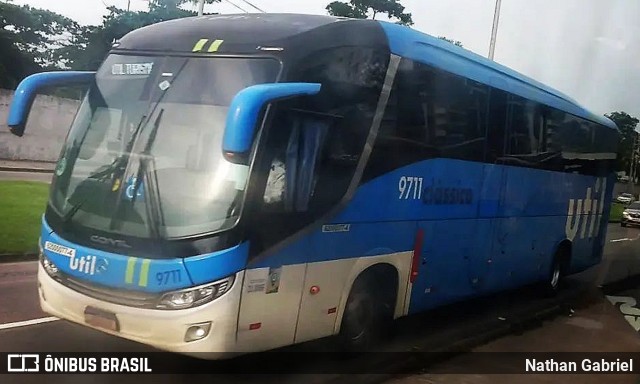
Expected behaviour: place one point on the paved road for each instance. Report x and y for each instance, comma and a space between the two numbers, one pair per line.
621, 254
608, 324
437, 330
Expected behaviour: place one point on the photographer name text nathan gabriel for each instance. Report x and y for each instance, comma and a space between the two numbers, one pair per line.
586, 365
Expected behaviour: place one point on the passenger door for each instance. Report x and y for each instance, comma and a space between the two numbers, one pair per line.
274, 280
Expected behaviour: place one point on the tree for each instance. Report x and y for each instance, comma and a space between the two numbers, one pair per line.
31, 40
363, 9
627, 125
93, 43
174, 5
454, 42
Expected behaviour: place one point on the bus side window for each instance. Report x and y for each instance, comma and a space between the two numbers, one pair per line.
345, 139
519, 127
275, 190
430, 114
497, 126
279, 142
295, 170
540, 130
403, 136
314, 144
460, 107
351, 79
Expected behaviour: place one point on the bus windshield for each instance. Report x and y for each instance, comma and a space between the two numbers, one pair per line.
144, 154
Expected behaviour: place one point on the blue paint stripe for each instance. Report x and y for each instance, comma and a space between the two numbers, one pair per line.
162, 274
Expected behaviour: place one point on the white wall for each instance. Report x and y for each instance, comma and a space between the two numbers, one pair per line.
46, 130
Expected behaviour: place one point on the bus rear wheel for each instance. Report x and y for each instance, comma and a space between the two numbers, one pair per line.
364, 317
554, 278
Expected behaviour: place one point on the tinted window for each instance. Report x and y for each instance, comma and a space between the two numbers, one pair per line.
520, 123
334, 125
459, 108
526, 133
312, 145
581, 146
571, 133
498, 110
313, 159
430, 113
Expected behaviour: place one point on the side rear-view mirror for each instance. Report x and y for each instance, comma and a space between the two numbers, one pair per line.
245, 110
28, 88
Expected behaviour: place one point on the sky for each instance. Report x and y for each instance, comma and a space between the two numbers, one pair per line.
588, 49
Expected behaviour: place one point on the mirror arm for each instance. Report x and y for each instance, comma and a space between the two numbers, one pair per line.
25, 94
246, 108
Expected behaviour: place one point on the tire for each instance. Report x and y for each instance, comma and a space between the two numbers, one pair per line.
364, 317
623, 224
554, 277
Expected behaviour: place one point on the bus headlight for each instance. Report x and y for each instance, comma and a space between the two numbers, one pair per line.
193, 297
48, 265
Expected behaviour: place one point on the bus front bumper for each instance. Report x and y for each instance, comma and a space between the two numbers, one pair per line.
162, 329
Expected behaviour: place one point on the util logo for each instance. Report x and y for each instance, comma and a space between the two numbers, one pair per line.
585, 215
89, 265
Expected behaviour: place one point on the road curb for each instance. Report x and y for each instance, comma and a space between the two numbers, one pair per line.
17, 257
25, 169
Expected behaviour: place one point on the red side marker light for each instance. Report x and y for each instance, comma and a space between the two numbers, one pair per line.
254, 326
417, 251
332, 310
314, 290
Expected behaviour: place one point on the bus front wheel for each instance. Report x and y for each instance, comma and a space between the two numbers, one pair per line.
364, 317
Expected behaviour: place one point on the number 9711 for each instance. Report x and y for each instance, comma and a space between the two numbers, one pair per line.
410, 187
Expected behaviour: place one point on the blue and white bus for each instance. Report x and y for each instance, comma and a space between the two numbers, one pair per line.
238, 183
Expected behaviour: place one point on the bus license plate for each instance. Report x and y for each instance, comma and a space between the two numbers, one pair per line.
101, 319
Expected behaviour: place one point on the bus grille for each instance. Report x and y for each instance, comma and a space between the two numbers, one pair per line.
111, 295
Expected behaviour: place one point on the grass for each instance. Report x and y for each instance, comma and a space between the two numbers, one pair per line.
616, 212
22, 204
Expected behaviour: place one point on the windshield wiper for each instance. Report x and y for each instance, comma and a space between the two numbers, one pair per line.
154, 210
154, 214
120, 165
105, 172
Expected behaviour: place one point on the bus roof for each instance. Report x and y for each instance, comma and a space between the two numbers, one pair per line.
241, 33
247, 32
